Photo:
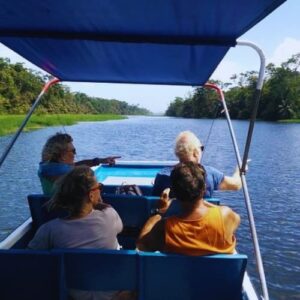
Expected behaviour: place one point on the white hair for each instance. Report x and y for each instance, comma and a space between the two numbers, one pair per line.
186, 144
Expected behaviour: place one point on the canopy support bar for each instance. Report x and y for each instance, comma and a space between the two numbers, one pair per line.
32, 109
242, 164
259, 86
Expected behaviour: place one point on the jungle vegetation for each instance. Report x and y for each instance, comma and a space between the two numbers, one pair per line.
19, 86
280, 99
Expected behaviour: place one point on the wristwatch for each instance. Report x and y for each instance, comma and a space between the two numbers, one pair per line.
156, 211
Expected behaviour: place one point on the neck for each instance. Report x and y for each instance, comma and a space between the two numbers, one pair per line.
86, 210
193, 209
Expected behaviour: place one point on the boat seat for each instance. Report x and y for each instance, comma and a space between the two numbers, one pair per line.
133, 210
177, 277
30, 275
39, 210
156, 276
35, 275
111, 189
100, 270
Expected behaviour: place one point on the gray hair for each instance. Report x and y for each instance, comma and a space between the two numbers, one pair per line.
186, 144
55, 146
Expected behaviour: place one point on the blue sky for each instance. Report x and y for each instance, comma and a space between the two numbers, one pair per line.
278, 35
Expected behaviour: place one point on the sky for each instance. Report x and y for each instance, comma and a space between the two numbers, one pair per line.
278, 35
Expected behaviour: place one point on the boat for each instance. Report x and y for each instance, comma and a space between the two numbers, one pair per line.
169, 42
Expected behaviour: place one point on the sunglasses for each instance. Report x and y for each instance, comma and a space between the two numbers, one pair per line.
202, 148
99, 187
72, 150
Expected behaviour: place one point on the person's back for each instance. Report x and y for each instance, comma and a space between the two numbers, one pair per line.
199, 228
188, 148
200, 236
98, 229
58, 158
78, 193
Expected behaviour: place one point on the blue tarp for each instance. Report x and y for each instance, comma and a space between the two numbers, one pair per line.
131, 41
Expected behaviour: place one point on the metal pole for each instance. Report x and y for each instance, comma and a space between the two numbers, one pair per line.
33, 107
246, 195
259, 86
257, 94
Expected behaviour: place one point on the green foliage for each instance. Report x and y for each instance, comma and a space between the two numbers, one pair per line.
280, 96
10, 123
19, 87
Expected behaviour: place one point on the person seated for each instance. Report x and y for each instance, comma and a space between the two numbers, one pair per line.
89, 223
199, 229
58, 156
189, 148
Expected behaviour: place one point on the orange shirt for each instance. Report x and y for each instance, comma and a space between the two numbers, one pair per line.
198, 237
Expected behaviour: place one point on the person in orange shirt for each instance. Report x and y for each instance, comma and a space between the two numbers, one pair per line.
199, 229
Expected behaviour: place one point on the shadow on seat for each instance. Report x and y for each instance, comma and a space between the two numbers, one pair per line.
100, 270
30, 275
176, 277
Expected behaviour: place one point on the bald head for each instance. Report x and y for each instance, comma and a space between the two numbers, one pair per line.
187, 147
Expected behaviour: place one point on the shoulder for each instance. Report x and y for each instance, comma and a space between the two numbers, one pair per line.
107, 213
165, 171
229, 215
53, 169
212, 171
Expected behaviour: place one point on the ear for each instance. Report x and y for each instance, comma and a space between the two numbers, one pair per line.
196, 153
91, 196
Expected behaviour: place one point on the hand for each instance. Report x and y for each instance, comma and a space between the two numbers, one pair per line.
164, 201
109, 160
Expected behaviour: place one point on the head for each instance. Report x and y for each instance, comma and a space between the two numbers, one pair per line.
188, 147
188, 182
59, 148
76, 190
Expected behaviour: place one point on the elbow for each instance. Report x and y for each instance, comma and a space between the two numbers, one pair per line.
140, 245
237, 186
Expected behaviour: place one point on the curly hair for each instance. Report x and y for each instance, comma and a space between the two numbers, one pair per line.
55, 147
72, 190
188, 181
186, 144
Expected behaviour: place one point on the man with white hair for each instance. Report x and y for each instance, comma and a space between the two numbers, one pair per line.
189, 148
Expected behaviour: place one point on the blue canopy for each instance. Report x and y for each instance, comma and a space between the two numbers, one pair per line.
130, 41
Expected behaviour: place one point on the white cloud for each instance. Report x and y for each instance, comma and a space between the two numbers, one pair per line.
284, 51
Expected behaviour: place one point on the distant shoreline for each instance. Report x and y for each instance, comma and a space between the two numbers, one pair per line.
10, 123
289, 121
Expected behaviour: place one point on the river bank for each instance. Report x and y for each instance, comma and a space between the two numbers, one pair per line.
10, 123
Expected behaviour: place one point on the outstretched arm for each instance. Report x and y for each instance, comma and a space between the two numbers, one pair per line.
111, 160
233, 182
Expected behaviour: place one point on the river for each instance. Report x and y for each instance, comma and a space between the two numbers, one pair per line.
273, 179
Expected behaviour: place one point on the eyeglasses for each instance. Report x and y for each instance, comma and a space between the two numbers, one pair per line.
202, 148
99, 187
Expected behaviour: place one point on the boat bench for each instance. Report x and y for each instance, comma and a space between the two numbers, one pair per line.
35, 275
133, 210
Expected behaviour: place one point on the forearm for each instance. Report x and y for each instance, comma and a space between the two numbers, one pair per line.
89, 162
145, 240
233, 182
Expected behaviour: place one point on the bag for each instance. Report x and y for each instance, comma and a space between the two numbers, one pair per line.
129, 189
